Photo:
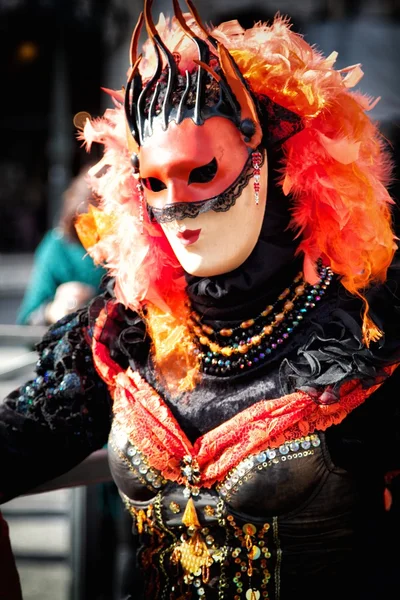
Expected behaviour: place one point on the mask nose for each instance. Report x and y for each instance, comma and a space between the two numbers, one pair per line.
178, 191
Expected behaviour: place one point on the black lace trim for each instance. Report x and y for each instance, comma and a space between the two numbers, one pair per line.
221, 203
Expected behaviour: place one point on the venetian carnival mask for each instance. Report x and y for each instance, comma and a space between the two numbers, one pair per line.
196, 148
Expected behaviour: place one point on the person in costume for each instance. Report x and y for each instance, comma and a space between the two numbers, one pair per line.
241, 361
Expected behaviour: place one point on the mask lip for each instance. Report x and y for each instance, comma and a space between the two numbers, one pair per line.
178, 211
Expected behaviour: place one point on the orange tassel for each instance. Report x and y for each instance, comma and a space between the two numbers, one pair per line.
370, 331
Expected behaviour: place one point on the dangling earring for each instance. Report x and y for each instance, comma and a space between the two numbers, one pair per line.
256, 162
139, 188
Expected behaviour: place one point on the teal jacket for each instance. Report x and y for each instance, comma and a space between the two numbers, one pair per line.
56, 260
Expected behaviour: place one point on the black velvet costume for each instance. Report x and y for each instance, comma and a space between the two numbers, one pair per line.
320, 498
301, 519
316, 502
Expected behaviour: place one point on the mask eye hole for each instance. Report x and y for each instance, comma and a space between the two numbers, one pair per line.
154, 184
205, 173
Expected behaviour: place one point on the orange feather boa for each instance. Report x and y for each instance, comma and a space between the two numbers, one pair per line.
336, 171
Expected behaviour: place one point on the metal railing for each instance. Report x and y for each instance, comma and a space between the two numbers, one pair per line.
19, 336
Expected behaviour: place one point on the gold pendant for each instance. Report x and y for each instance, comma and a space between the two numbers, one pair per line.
192, 553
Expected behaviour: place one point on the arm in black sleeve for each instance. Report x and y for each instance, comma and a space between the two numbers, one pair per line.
53, 422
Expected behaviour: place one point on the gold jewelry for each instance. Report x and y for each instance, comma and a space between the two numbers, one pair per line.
255, 340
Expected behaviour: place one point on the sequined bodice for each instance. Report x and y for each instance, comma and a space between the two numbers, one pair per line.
254, 507
253, 522
258, 476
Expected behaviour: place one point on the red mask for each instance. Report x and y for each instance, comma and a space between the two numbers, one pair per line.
188, 163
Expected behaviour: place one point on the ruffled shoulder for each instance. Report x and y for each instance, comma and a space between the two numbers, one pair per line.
53, 422
334, 353
123, 330
66, 392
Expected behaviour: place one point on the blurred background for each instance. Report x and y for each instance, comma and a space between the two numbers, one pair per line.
55, 56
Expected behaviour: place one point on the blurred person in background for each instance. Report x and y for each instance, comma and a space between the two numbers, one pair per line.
64, 277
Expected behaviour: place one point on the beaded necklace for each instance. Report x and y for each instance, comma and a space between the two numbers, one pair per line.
229, 351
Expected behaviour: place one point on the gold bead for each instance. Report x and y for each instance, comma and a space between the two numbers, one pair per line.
204, 340
247, 324
215, 347
279, 317
288, 305
284, 294
255, 340
207, 329
267, 329
267, 311
226, 332
227, 351
299, 290
175, 508
243, 348
249, 529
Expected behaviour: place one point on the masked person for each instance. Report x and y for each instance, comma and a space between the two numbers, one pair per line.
242, 360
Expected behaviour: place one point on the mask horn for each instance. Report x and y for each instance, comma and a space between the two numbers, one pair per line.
209, 70
203, 53
237, 85
181, 19
135, 40
199, 23
131, 142
234, 80
131, 92
129, 101
155, 38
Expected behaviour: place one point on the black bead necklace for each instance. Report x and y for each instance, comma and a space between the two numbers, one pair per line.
232, 350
